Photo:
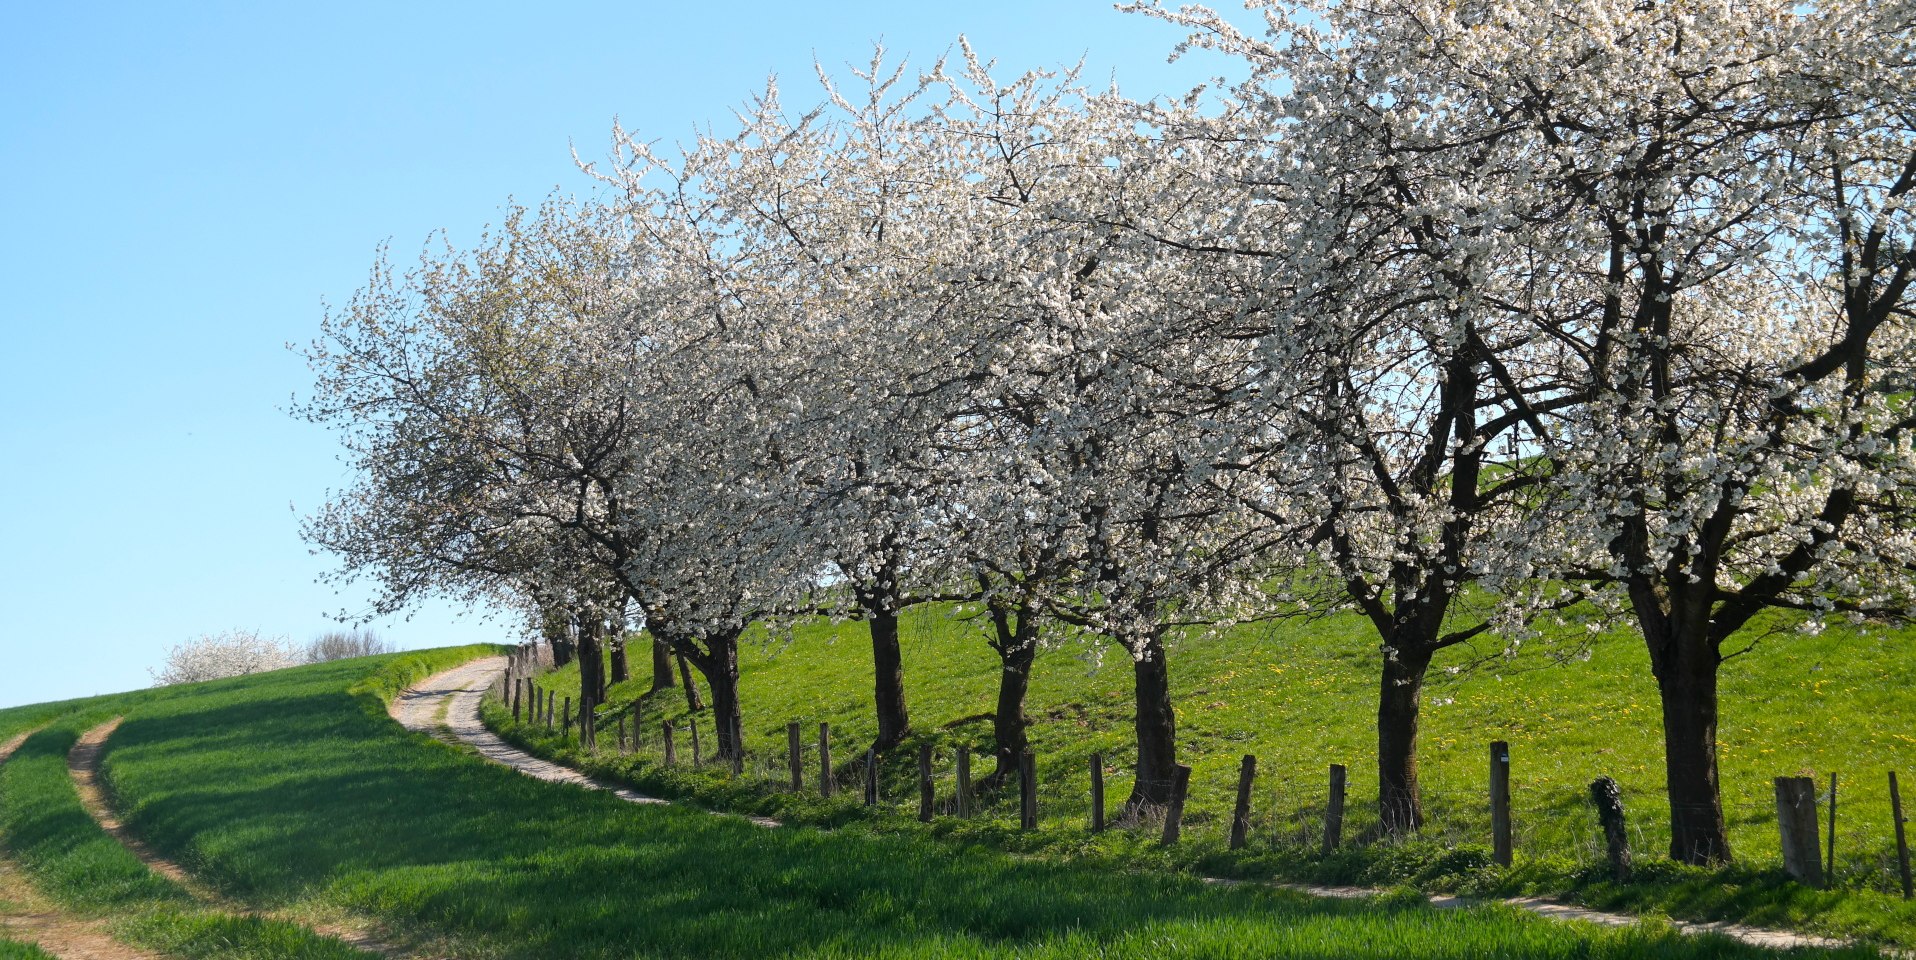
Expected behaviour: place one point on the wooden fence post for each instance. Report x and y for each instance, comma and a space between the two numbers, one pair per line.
549, 712
963, 798
1028, 791
1830, 871
565, 720
698, 755
622, 745
871, 777
1902, 837
924, 782
1097, 793
1500, 802
1241, 814
1608, 797
1796, 824
1334, 810
671, 747
1174, 814
515, 703
795, 757
824, 759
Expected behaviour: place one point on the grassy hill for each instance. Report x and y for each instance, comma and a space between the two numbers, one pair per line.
1301, 696
292, 790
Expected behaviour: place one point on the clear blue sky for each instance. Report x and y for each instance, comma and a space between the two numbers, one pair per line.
185, 184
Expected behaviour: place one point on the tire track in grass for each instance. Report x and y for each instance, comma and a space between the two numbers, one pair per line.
29, 918
83, 764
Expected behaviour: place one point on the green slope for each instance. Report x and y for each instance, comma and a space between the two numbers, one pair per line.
294, 789
1301, 695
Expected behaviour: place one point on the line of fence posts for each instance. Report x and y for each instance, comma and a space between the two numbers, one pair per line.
1798, 821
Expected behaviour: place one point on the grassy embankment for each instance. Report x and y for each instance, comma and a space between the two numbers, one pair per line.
1301, 696
293, 790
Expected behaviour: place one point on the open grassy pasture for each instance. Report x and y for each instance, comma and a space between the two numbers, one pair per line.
1301, 696
294, 790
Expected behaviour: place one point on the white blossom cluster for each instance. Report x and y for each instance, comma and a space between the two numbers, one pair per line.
231, 653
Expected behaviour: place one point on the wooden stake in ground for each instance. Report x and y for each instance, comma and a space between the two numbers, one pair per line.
1500, 846
794, 755
825, 760
671, 746
1608, 797
698, 757
1097, 793
962, 800
1902, 836
1796, 824
1028, 791
871, 777
1241, 814
1174, 814
1334, 810
1830, 870
924, 782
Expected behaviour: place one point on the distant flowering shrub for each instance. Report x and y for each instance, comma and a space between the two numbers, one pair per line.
342, 644
233, 653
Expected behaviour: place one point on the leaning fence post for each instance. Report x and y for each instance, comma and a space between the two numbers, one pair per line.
1174, 814
1608, 797
1796, 825
1902, 838
924, 782
1241, 814
795, 757
963, 798
1334, 809
1097, 793
1027, 791
825, 760
1500, 802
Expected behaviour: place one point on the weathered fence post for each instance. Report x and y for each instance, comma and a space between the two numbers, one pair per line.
824, 760
515, 703
623, 749
871, 777
671, 745
1334, 809
1796, 824
1500, 802
963, 798
1027, 791
698, 755
1097, 793
1830, 871
549, 708
1174, 814
1241, 814
795, 757
565, 720
1902, 837
738, 752
924, 782
1608, 797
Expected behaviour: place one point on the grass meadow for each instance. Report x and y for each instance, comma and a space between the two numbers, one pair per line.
293, 790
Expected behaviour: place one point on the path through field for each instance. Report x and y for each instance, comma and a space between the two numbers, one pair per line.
456, 694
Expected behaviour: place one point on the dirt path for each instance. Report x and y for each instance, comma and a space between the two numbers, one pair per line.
27, 917
83, 763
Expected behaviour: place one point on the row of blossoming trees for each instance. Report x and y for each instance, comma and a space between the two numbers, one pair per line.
1452, 315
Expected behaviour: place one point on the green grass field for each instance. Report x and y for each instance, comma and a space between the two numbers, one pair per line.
1301, 696
293, 790
12, 950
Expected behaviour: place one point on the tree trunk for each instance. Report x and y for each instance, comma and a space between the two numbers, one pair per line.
1400, 695
692, 700
1017, 649
1686, 683
888, 671
662, 666
1156, 726
591, 664
719, 664
621, 669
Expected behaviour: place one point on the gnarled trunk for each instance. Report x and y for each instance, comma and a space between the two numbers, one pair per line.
888, 678
1017, 646
1400, 806
1156, 725
621, 669
717, 660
